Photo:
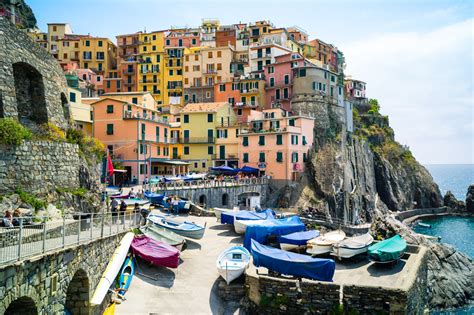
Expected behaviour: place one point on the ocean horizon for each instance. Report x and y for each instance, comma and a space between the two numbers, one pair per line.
452, 177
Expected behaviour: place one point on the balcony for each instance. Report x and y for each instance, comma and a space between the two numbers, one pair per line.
210, 72
224, 156
131, 115
128, 72
197, 140
278, 86
126, 83
250, 91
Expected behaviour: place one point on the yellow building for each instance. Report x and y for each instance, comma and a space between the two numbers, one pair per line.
98, 54
173, 75
39, 37
200, 125
150, 65
57, 32
81, 112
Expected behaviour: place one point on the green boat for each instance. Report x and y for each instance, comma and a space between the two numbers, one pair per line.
165, 236
389, 250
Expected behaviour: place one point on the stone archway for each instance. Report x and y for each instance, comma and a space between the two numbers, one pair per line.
30, 96
22, 306
65, 106
225, 199
77, 296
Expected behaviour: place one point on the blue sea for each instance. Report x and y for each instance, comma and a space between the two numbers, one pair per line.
454, 177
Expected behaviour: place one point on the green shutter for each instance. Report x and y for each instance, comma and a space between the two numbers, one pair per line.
261, 157
279, 140
246, 157
304, 140
245, 141
261, 140
279, 157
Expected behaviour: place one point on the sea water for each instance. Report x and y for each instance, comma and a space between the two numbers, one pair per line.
453, 177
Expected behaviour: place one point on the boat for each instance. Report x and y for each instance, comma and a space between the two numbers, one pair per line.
126, 275
183, 205
157, 253
110, 310
323, 244
352, 246
163, 235
113, 191
387, 251
241, 225
186, 229
232, 263
229, 217
292, 264
219, 211
155, 199
112, 269
260, 232
425, 225
297, 240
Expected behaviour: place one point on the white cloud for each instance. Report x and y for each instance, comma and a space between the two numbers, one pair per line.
424, 82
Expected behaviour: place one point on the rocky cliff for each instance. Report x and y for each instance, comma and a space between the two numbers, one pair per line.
348, 172
23, 11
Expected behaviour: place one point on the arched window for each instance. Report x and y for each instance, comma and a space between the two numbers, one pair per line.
225, 199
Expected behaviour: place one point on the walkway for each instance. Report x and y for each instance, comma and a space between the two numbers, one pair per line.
189, 289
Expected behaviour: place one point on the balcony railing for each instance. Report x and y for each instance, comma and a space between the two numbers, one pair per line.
130, 115
129, 83
224, 156
128, 72
197, 140
250, 91
210, 71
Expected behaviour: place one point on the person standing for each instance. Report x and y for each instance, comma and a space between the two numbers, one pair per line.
113, 208
123, 209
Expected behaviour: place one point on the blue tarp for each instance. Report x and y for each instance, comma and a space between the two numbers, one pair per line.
293, 264
224, 169
154, 198
228, 217
248, 169
298, 238
261, 231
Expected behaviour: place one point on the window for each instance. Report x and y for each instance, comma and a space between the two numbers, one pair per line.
186, 150
279, 140
239, 112
118, 84
287, 79
210, 150
170, 72
294, 139
291, 122
272, 81
219, 66
167, 42
110, 109
294, 157
72, 96
245, 158
193, 41
261, 140
271, 69
153, 37
219, 54
210, 117
333, 78
302, 72
305, 157
221, 87
245, 141
134, 100
261, 157
100, 43
110, 129
153, 47
88, 43
186, 119
304, 140
209, 54
279, 157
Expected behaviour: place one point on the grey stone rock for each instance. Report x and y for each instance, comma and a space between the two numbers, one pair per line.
470, 199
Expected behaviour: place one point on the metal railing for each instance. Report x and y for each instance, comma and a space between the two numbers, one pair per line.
160, 187
44, 235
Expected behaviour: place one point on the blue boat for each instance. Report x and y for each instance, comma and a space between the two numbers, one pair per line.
186, 229
296, 240
229, 217
260, 231
292, 264
155, 199
183, 205
126, 275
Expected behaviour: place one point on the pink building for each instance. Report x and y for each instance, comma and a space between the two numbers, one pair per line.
279, 80
183, 38
276, 143
90, 77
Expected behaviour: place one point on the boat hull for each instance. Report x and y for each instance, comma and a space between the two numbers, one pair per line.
241, 225
230, 275
389, 250
163, 235
343, 252
290, 247
113, 268
126, 275
156, 253
196, 232
318, 249
232, 263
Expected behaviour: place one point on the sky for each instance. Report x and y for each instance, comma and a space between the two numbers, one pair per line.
415, 56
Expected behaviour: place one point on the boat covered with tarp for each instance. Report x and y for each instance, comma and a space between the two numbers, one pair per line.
292, 264
154, 198
163, 235
229, 217
156, 253
388, 250
260, 231
297, 239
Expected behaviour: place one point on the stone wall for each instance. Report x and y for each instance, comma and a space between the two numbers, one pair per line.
39, 167
33, 88
55, 279
411, 215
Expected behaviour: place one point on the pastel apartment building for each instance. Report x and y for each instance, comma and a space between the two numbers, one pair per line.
127, 61
276, 143
151, 65
98, 54
354, 88
264, 54
135, 134
81, 112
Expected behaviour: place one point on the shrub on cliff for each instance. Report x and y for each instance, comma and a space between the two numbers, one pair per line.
50, 132
30, 199
89, 147
12, 132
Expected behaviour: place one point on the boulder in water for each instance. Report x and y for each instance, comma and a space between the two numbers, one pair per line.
451, 202
470, 199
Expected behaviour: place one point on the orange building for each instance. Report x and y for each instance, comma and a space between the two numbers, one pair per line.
133, 131
226, 37
127, 61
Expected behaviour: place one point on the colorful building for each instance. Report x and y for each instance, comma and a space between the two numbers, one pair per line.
200, 123
262, 55
209, 27
354, 89
276, 143
98, 54
151, 65
133, 131
242, 91
127, 61
40, 37
81, 112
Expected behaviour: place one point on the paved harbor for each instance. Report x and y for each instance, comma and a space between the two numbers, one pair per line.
189, 289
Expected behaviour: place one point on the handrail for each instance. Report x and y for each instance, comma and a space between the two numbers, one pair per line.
207, 184
45, 235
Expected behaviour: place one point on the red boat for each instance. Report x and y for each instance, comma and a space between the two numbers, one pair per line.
157, 253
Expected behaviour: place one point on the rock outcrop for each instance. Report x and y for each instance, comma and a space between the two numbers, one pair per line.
450, 272
470, 199
450, 201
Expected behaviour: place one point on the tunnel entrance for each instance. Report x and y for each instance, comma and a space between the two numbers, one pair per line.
77, 296
30, 98
22, 306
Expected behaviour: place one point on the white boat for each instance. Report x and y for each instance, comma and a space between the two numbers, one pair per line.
113, 268
241, 225
352, 246
218, 212
323, 244
233, 262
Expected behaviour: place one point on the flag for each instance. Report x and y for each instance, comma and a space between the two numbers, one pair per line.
110, 166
